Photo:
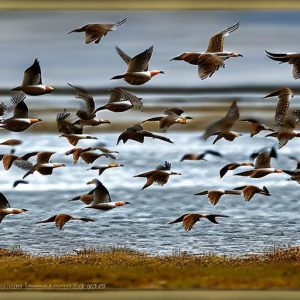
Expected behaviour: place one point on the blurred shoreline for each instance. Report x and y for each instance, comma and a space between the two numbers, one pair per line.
149, 5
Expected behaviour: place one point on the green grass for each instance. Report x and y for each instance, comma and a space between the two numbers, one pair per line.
149, 5
123, 268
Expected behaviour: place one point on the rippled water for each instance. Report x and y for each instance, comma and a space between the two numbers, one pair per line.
252, 227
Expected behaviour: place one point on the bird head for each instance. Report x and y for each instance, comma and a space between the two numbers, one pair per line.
156, 72
49, 89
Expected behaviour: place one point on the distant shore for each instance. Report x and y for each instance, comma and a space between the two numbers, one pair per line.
123, 268
149, 5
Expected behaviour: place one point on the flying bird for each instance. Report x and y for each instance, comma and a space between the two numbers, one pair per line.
201, 156
61, 219
95, 32
42, 166
121, 100
215, 195
74, 138
102, 168
213, 59
20, 121
138, 134
173, 115
190, 219
32, 81
224, 124
256, 127
284, 95
160, 175
249, 191
233, 166
137, 71
292, 58
5, 208
262, 166
102, 200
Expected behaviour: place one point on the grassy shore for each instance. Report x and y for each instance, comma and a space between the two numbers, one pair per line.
123, 268
149, 5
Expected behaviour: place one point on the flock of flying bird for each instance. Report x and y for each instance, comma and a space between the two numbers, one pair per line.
71, 127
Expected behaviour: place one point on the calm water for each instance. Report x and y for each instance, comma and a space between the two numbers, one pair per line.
252, 227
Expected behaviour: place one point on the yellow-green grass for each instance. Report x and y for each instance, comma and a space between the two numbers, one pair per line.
123, 268
148, 5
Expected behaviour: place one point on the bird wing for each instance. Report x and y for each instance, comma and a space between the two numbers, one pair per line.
208, 64
89, 157
296, 67
180, 219
233, 112
43, 157
263, 160
155, 136
86, 97
166, 166
51, 219
33, 75
189, 220
216, 42
212, 218
228, 167
177, 111
101, 195
140, 62
123, 55
3, 202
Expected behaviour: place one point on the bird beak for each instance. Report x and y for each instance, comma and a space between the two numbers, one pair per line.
162, 72
90, 182
240, 55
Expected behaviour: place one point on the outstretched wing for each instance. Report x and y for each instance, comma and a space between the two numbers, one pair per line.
216, 42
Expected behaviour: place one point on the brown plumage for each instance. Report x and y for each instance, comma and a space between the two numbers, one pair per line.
291, 58
43, 166
172, 116
137, 72
66, 123
256, 127
224, 124
32, 81
262, 165
102, 168
228, 135
11, 142
201, 156
95, 32
286, 130
160, 175
210, 61
121, 100
284, 96
74, 138
233, 166
61, 219
190, 219
102, 200
215, 195
9, 159
138, 134
76, 152
249, 191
